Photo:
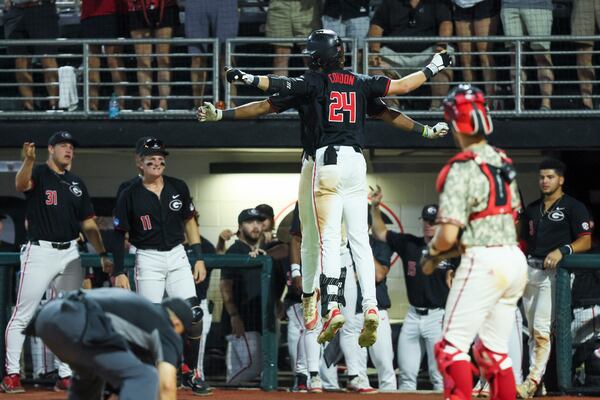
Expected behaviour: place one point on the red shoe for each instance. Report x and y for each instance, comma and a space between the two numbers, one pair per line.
333, 322
12, 384
62, 384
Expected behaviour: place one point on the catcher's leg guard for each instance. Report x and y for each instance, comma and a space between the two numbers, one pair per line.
457, 370
497, 370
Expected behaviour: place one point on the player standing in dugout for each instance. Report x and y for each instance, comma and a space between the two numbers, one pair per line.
58, 208
156, 211
554, 226
333, 177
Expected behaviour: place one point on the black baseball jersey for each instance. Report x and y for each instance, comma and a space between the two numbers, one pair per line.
246, 291
56, 204
562, 224
336, 105
423, 291
154, 223
145, 326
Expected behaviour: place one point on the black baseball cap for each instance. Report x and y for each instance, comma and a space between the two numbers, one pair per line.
266, 210
153, 146
140, 143
181, 309
62, 137
250, 214
429, 212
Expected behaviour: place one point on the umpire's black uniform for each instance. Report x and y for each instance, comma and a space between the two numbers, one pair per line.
114, 336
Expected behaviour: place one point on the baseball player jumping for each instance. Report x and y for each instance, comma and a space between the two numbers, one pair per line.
478, 196
156, 210
58, 208
333, 181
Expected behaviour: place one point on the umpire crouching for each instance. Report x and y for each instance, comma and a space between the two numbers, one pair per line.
117, 337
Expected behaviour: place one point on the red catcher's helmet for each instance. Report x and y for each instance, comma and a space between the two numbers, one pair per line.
466, 111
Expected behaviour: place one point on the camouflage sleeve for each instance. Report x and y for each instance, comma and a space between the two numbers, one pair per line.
453, 199
516, 197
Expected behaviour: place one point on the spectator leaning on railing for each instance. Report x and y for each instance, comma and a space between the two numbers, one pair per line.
407, 19
477, 18
32, 19
104, 19
290, 18
531, 18
153, 19
585, 17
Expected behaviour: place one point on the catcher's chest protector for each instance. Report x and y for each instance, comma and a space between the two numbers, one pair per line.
499, 179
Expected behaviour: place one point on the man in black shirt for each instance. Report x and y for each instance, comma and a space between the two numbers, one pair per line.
139, 145
426, 295
58, 209
553, 226
241, 300
117, 337
410, 18
156, 211
338, 102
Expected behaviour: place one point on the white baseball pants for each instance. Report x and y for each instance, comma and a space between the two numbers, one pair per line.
156, 271
327, 194
243, 358
538, 302
419, 334
42, 266
206, 322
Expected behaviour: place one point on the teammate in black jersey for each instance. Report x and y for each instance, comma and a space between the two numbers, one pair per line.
333, 182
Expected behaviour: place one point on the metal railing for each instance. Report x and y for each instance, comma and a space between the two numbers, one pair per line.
513, 92
80, 53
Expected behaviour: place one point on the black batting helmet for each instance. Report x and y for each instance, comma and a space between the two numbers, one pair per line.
466, 110
325, 48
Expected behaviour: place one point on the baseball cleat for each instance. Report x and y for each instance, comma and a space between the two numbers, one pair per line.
62, 384
527, 389
315, 385
368, 334
12, 384
309, 309
332, 323
358, 385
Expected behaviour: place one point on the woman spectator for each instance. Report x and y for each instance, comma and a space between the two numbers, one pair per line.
147, 19
104, 19
477, 18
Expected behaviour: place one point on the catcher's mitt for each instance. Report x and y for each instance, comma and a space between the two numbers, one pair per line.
430, 263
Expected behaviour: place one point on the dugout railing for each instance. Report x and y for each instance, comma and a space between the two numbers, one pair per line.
566, 346
516, 93
267, 311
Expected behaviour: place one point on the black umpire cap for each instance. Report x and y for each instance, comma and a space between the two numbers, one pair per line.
62, 137
153, 146
181, 309
250, 214
429, 212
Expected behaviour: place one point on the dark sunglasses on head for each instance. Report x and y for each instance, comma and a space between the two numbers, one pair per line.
154, 144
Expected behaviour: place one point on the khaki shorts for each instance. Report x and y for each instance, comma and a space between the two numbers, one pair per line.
585, 17
292, 18
531, 22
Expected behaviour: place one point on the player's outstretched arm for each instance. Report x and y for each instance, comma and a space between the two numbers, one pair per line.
23, 180
407, 84
209, 113
271, 84
378, 227
403, 122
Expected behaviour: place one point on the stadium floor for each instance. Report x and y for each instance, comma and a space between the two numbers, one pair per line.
234, 394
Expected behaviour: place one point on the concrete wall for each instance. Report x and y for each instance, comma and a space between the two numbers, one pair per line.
220, 197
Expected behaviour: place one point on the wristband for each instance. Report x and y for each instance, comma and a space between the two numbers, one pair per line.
428, 73
295, 270
228, 114
197, 249
103, 254
566, 250
418, 128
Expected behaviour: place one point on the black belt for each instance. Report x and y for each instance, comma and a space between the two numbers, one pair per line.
56, 245
157, 248
425, 311
537, 263
312, 156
